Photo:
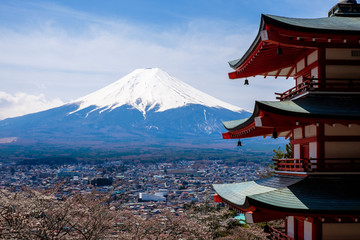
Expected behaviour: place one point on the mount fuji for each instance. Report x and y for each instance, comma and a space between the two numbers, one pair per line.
147, 106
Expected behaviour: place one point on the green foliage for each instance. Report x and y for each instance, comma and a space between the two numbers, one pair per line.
288, 153
279, 154
289, 150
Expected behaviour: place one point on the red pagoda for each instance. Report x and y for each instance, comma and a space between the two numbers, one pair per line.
317, 192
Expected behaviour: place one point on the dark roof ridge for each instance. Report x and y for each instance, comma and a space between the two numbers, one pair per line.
328, 25
335, 24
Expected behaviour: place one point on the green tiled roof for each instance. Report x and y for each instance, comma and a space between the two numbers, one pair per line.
329, 24
234, 123
315, 194
336, 106
319, 105
237, 192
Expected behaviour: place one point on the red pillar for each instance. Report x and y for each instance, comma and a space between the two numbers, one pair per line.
321, 66
299, 228
316, 229
320, 132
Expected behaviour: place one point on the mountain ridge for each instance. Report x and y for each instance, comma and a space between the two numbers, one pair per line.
146, 89
118, 125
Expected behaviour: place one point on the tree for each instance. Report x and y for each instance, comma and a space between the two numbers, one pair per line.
31, 214
279, 154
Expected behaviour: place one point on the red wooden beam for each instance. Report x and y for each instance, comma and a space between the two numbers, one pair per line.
253, 53
234, 75
277, 73
263, 58
217, 198
298, 38
266, 215
291, 70
226, 135
266, 61
282, 123
306, 69
237, 207
304, 140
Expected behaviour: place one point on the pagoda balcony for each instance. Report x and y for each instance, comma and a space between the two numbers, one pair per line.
291, 165
317, 165
317, 85
278, 234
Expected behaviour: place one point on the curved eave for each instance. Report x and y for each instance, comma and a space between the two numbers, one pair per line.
242, 123
259, 124
316, 195
304, 195
262, 59
292, 109
266, 62
286, 115
296, 37
237, 194
326, 25
238, 62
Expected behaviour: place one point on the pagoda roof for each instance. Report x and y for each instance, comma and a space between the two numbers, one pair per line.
327, 108
315, 194
296, 37
340, 25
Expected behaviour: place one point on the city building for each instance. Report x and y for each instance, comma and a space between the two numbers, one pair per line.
316, 192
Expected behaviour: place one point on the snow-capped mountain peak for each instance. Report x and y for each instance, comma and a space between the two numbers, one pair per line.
150, 88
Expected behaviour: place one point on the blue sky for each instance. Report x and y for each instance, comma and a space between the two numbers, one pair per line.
52, 52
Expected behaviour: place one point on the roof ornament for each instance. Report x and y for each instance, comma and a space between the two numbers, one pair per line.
345, 8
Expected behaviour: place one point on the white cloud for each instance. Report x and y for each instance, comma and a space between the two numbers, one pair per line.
69, 60
13, 105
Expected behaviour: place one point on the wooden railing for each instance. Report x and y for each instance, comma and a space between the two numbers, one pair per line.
316, 165
276, 234
295, 91
338, 164
313, 84
292, 165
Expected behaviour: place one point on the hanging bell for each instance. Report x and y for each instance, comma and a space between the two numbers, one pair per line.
274, 134
246, 82
239, 143
279, 50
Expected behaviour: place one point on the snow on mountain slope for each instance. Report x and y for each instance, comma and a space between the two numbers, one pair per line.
147, 89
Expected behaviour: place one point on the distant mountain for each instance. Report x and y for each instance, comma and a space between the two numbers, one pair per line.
150, 89
147, 106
